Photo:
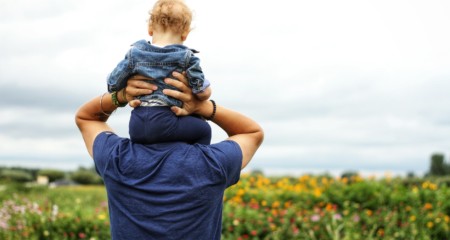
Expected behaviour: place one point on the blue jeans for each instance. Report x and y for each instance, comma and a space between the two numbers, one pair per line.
159, 124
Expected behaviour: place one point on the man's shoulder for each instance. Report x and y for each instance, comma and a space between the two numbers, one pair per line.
227, 150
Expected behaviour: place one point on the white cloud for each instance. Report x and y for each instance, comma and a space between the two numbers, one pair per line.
335, 84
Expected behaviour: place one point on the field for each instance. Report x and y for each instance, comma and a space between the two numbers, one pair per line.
258, 207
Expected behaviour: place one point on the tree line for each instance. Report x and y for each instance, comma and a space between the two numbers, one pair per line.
438, 167
23, 175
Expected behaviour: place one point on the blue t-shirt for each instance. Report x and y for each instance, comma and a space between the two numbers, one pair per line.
165, 190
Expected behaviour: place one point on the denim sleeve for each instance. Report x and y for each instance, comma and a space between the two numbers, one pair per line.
195, 75
117, 79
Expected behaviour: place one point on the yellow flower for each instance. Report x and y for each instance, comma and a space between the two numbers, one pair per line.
240, 192
412, 218
275, 204
433, 186
430, 224
317, 192
369, 212
273, 226
447, 219
101, 217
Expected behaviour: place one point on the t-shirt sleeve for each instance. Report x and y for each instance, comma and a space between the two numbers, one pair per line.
104, 145
229, 157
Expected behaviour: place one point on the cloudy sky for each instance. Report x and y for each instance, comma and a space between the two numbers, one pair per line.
337, 85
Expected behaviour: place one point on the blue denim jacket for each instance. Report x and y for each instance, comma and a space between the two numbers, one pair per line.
158, 63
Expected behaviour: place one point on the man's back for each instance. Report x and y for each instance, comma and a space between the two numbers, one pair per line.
167, 190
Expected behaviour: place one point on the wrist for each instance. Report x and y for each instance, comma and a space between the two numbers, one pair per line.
119, 98
106, 107
213, 113
207, 109
123, 96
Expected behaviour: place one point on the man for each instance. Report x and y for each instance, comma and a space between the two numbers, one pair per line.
170, 190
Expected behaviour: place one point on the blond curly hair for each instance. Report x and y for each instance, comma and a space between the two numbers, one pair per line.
171, 15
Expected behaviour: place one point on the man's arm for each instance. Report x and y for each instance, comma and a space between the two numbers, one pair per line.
241, 129
92, 116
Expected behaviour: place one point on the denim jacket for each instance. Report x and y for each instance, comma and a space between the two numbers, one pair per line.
158, 63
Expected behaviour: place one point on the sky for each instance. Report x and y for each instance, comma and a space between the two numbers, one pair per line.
349, 85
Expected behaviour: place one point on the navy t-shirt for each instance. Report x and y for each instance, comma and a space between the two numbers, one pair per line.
166, 190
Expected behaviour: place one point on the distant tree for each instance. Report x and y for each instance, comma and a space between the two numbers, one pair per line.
349, 174
437, 165
52, 174
410, 175
85, 176
13, 175
257, 172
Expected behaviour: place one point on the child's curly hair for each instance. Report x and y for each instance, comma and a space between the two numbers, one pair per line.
172, 15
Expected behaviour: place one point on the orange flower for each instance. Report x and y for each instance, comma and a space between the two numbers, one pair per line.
329, 207
428, 206
380, 232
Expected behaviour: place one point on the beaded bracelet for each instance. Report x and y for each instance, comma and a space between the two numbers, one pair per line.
115, 100
214, 111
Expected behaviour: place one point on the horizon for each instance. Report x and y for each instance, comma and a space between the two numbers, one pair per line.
350, 84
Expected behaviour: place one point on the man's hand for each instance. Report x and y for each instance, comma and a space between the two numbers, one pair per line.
137, 86
184, 94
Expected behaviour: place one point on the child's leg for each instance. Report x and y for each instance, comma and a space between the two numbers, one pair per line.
192, 129
160, 124
149, 125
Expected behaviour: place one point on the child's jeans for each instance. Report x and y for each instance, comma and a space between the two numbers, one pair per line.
159, 124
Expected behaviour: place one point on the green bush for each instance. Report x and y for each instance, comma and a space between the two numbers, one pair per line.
11, 175
52, 174
86, 177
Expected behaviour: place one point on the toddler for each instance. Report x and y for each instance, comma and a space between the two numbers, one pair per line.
153, 121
